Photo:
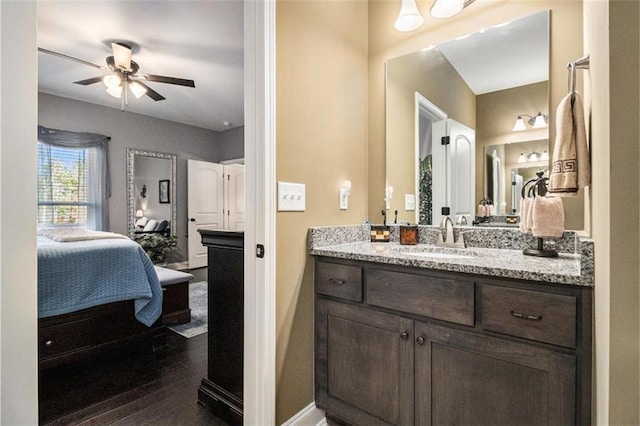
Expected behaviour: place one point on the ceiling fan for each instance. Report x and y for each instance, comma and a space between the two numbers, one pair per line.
123, 74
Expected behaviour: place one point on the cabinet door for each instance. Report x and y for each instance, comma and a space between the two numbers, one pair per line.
364, 364
465, 378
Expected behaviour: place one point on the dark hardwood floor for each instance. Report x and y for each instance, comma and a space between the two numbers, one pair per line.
130, 386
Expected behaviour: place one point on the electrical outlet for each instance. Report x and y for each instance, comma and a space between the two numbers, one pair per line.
409, 202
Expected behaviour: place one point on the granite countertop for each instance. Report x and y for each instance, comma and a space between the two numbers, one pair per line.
573, 266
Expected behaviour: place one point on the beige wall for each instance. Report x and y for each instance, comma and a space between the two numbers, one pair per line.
386, 43
321, 104
613, 91
430, 74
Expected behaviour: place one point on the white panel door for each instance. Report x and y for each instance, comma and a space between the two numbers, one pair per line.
439, 171
234, 197
462, 170
204, 204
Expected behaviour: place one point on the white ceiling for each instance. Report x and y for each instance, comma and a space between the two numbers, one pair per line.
197, 40
509, 55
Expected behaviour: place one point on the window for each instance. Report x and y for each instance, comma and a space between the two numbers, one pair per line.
62, 185
73, 179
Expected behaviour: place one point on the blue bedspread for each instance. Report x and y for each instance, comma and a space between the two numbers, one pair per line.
78, 275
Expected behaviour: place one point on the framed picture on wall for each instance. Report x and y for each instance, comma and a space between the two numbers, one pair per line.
164, 191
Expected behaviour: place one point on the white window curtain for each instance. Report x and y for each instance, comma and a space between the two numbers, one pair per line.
98, 180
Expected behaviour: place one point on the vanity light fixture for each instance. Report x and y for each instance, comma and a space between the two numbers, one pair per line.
533, 156
443, 9
409, 18
139, 214
345, 191
537, 122
388, 194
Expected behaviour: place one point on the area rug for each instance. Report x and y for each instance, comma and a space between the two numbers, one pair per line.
198, 305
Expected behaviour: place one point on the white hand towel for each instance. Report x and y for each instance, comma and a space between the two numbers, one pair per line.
547, 216
570, 166
525, 215
482, 210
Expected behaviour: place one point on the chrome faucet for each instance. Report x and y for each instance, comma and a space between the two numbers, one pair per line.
447, 225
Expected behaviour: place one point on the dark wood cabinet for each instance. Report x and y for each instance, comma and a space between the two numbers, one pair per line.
221, 390
365, 360
412, 346
466, 378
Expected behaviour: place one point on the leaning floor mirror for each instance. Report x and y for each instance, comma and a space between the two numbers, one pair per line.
151, 192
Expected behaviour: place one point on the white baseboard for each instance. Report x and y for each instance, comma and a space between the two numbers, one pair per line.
308, 416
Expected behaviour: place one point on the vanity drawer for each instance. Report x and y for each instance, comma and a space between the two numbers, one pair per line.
440, 298
344, 281
68, 337
544, 317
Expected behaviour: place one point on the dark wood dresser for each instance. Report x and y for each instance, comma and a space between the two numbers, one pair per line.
221, 390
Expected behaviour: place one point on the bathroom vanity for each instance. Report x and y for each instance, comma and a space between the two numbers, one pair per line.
427, 335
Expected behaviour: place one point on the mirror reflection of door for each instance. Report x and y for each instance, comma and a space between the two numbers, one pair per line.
462, 167
431, 161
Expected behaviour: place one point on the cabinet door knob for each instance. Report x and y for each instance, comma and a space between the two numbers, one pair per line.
337, 281
404, 335
420, 340
48, 343
193, 219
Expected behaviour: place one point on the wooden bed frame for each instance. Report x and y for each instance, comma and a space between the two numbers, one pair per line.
69, 337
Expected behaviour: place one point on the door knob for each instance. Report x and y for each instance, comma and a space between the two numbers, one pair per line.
420, 340
193, 219
404, 335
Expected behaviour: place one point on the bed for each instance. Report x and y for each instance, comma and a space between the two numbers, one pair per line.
95, 290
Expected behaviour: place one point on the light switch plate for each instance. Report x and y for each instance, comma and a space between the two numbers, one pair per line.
409, 202
291, 197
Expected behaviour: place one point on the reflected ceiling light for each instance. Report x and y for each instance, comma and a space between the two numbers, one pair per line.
537, 122
442, 9
409, 18
533, 156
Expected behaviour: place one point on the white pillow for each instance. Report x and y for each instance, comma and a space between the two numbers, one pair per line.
150, 226
140, 223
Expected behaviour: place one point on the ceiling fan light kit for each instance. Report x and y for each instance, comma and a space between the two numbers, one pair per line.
123, 74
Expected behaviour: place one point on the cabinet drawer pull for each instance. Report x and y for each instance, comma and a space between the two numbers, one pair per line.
525, 316
337, 281
48, 343
404, 335
420, 340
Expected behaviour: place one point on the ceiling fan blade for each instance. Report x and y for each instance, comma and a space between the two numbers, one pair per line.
89, 81
71, 58
168, 80
150, 92
122, 56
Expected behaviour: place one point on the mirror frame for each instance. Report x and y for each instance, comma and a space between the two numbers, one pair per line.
131, 201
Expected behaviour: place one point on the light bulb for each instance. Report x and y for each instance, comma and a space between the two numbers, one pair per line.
519, 126
116, 92
539, 122
112, 80
446, 8
544, 156
409, 18
522, 158
137, 89
533, 156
